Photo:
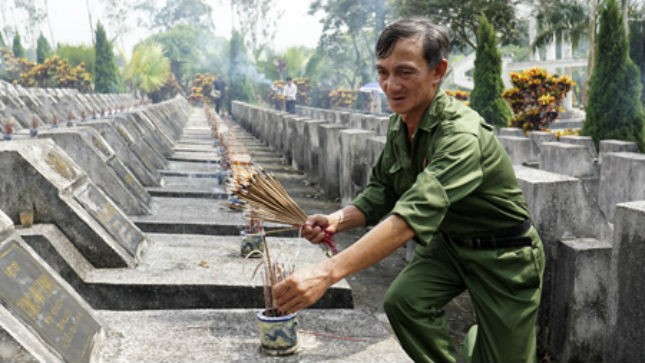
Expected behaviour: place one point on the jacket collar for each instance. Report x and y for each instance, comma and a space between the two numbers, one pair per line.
430, 119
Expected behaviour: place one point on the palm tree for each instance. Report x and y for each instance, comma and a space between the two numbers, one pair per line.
148, 69
571, 19
560, 19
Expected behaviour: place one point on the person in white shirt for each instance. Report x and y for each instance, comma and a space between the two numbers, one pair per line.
289, 91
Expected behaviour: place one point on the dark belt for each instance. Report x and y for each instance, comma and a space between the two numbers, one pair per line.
511, 237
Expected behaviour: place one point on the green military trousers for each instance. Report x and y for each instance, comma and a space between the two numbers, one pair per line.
504, 284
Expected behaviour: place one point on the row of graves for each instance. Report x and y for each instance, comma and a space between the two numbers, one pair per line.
120, 241
587, 204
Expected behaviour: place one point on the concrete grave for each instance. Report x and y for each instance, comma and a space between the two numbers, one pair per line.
140, 142
538, 138
90, 151
621, 180
579, 321
312, 148
614, 146
511, 131
585, 141
47, 182
177, 272
626, 296
125, 153
568, 159
353, 162
559, 209
518, 148
40, 310
329, 171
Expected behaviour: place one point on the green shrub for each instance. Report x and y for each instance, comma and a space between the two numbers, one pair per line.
614, 110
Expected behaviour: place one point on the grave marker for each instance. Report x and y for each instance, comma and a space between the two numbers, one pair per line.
111, 218
40, 301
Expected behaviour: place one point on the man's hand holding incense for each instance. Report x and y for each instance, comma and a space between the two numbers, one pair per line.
315, 227
307, 285
319, 226
302, 289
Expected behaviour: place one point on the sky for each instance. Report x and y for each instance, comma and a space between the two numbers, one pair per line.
70, 23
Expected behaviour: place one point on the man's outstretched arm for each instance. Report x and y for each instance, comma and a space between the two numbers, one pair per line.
307, 285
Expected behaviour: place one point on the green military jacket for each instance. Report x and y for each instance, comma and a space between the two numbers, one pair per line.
454, 178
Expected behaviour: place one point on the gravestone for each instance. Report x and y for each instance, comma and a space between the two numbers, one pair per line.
39, 309
47, 182
147, 177
627, 297
90, 151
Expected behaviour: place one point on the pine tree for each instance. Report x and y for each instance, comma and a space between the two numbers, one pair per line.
43, 50
614, 110
18, 50
105, 72
486, 97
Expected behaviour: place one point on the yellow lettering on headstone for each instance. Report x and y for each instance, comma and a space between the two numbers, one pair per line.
12, 269
71, 331
58, 305
32, 301
106, 213
63, 321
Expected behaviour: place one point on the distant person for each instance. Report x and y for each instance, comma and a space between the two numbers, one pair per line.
220, 87
290, 91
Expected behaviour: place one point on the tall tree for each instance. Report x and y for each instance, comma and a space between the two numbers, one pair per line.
124, 16
18, 50
593, 7
462, 17
148, 69
77, 54
182, 47
240, 87
258, 20
614, 110
35, 14
196, 13
2, 43
486, 97
558, 19
352, 27
106, 79
637, 43
43, 49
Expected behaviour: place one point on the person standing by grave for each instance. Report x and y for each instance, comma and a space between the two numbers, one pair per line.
290, 91
443, 180
220, 91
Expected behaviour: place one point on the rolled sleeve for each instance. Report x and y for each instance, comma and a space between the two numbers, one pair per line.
453, 172
378, 198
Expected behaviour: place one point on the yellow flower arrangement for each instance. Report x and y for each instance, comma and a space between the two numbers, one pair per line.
536, 98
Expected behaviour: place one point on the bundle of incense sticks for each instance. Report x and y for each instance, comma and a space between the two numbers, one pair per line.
269, 201
273, 274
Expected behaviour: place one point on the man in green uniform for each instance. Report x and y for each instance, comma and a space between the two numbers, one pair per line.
444, 180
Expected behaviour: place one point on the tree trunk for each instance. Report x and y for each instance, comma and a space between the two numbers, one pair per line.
89, 14
591, 59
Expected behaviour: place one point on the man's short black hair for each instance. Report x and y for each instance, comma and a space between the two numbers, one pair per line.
436, 41
288, 79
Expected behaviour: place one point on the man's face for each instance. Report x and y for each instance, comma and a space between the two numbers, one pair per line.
406, 79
